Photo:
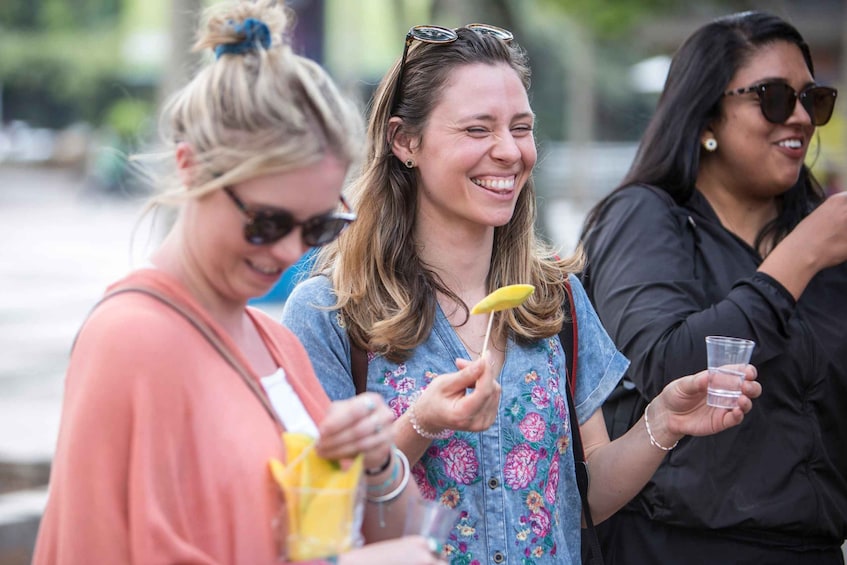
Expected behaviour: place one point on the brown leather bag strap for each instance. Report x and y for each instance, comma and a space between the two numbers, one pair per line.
213, 339
569, 337
359, 368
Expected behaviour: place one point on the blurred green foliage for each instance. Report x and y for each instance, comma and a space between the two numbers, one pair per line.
60, 61
612, 18
127, 117
58, 14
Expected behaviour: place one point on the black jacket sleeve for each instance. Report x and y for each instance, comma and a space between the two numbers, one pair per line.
662, 278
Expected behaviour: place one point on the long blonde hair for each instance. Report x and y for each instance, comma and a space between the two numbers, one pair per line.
385, 293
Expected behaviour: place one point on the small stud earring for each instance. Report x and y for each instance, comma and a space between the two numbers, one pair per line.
410, 164
710, 144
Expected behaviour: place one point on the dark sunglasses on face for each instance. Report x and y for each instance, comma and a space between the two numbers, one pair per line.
438, 34
268, 226
778, 100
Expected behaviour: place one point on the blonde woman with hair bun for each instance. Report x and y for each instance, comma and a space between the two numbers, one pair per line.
176, 391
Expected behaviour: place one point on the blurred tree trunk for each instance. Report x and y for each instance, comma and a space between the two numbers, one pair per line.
181, 62
579, 110
184, 18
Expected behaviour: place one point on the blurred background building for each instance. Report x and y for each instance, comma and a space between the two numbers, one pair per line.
81, 82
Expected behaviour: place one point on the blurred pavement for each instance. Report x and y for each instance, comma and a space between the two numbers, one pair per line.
59, 246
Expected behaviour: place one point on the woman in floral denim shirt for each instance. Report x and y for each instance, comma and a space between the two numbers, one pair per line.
446, 211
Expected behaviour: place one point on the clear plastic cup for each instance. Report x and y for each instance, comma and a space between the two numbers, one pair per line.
727, 359
430, 519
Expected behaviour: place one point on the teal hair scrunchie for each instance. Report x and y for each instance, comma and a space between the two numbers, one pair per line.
255, 32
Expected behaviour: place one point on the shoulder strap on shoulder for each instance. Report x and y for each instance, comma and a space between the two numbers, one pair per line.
568, 335
210, 336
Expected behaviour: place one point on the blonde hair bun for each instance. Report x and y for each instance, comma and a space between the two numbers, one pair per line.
259, 108
224, 23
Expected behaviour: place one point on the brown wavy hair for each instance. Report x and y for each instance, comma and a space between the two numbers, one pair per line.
385, 292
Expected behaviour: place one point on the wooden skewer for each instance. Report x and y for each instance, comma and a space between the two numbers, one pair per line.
487, 333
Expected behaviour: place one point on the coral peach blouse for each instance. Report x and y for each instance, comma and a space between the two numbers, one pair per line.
163, 449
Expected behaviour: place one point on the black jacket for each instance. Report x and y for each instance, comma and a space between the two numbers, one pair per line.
662, 277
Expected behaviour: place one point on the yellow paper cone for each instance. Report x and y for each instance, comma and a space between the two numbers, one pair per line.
320, 497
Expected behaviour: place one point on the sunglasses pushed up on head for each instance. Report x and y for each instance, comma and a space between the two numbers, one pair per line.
269, 226
438, 34
778, 100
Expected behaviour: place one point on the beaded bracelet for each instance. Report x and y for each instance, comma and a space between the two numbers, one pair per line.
653, 440
443, 434
381, 469
389, 496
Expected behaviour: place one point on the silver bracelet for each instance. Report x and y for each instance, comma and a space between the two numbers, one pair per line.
389, 496
650, 433
443, 434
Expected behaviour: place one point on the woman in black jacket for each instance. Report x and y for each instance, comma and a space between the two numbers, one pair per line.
719, 228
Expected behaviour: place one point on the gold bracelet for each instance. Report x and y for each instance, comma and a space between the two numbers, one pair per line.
653, 440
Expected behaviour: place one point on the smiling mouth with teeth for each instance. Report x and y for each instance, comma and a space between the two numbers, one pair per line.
495, 184
791, 143
266, 270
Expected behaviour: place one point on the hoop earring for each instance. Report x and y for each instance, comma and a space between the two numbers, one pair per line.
710, 144
410, 164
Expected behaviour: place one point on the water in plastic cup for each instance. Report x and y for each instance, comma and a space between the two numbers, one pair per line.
430, 519
727, 358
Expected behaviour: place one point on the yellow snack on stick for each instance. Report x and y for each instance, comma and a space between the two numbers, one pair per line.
504, 298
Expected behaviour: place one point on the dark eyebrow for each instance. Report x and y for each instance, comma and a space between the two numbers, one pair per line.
770, 79
781, 80
490, 118
524, 116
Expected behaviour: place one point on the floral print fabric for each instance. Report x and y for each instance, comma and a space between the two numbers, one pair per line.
514, 483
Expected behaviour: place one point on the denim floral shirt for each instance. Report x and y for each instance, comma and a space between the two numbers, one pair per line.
513, 484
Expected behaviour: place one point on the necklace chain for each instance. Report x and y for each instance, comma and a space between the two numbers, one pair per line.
465, 343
